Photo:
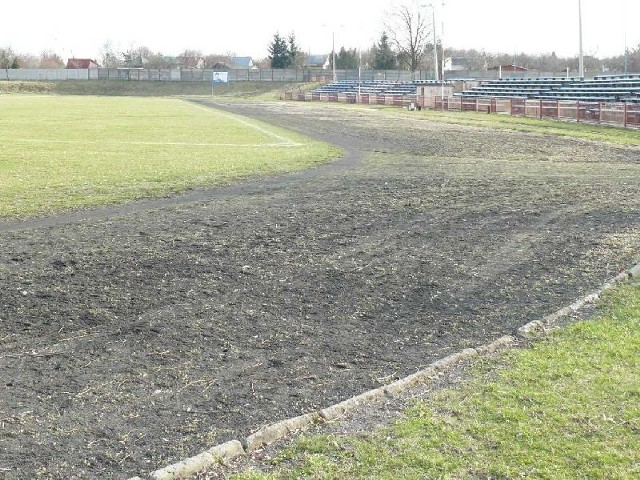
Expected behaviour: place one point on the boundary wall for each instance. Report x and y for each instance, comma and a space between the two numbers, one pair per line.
238, 75
200, 75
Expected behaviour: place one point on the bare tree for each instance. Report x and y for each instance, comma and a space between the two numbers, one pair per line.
27, 60
409, 31
191, 58
8, 58
50, 59
110, 58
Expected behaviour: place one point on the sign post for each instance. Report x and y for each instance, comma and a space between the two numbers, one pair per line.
219, 77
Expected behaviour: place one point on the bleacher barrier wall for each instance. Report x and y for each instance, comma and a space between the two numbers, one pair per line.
605, 113
619, 114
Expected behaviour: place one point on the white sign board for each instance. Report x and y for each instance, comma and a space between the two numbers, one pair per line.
220, 77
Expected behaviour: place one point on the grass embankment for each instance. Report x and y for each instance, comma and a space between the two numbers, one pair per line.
59, 153
569, 407
269, 90
534, 125
600, 133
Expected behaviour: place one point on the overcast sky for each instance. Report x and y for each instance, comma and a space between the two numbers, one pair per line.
81, 28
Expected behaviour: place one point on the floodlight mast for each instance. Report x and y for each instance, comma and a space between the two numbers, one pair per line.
333, 53
435, 48
626, 50
581, 58
360, 75
442, 45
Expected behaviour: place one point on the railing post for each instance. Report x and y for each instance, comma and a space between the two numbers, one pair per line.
625, 115
578, 111
540, 109
600, 112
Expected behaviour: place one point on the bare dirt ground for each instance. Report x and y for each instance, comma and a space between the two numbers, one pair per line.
135, 336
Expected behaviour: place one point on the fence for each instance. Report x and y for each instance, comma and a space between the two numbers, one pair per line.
240, 75
200, 75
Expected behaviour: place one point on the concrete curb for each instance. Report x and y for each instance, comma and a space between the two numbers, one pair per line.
339, 409
276, 431
190, 466
502, 343
538, 328
279, 430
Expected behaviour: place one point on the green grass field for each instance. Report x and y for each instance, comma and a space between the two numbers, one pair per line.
67, 152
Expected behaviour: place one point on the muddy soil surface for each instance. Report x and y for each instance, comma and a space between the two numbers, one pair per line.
135, 336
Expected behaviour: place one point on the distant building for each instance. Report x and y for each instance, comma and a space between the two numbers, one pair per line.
75, 63
317, 61
242, 62
509, 68
235, 63
190, 62
456, 64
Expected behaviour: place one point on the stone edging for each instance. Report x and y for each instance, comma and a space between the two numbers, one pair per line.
276, 431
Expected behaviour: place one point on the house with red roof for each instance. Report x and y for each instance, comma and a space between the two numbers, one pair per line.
82, 63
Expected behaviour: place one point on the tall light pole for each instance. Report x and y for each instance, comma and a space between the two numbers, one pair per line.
626, 50
442, 46
359, 74
333, 49
435, 48
581, 57
333, 53
626, 55
435, 45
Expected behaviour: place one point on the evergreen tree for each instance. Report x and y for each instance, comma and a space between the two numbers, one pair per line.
385, 58
347, 59
279, 52
293, 51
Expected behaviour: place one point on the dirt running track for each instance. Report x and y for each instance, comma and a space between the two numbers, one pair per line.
134, 336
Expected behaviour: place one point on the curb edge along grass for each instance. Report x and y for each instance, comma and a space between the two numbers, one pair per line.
276, 431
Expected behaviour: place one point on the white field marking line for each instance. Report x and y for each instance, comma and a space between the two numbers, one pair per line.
249, 124
179, 144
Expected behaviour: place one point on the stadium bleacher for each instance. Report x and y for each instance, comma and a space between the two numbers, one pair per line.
614, 88
374, 87
602, 88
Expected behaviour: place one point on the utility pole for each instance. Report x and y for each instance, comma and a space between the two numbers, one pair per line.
442, 45
581, 58
435, 47
333, 52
